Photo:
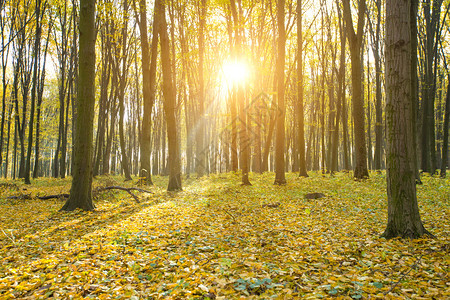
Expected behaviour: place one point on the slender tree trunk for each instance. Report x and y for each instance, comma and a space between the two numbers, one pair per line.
414, 83
169, 103
122, 86
40, 92
234, 131
340, 95
369, 117
444, 160
281, 109
36, 58
244, 143
5, 174
200, 128
148, 89
432, 21
355, 42
378, 96
104, 83
301, 121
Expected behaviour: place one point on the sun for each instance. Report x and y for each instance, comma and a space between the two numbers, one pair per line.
234, 72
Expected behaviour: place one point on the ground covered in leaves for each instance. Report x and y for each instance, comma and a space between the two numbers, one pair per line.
220, 240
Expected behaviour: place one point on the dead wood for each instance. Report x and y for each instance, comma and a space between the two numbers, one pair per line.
94, 192
312, 196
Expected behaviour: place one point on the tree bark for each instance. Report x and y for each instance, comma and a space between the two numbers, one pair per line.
301, 119
244, 143
122, 86
169, 103
355, 42
403, 211
200, 129
36, 58
340, 94
281, 109
40, 93
148, 90
444, 160
81, 190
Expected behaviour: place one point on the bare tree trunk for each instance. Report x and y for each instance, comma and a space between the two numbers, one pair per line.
40, 92
200, 129
81, 190
444, 160
169, 103
301, 121
36, 58
148, 89
340, 94
355, 42
281, 111
244, 143
403, 211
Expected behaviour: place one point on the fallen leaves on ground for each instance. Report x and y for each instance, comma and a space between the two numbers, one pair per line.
220, 240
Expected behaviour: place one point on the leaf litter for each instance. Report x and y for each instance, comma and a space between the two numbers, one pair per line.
220, 240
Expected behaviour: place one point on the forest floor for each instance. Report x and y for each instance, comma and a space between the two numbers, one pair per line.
219, 240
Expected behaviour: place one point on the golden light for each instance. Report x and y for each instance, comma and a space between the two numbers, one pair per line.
234, 72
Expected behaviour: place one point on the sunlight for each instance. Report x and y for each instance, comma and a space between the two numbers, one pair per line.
234, 72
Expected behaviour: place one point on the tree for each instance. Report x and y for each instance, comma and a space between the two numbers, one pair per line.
403, 211
148, 90
244, 144
279, 146
355, 42
432, 14
444, 159
340, 92
123, 78
36, 58
169, 102
200, 128
376, 38
81, 190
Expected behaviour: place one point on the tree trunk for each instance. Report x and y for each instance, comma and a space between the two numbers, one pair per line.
102, 111
122, 85
444, 160
244, 143
200, 128
403, 211
36, 58
148, 90
169, 103
40, 92
355, 42
340, 95
375, 37
301, 121
81, 190
414, 83
281, 109
432, 17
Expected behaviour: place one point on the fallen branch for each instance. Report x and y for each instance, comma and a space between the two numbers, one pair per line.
271, 205
19, 197
114, 187
128, 190
404, 274
94, 192
228, 213
59, 196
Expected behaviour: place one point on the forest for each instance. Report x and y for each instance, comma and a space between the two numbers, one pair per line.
224, 149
